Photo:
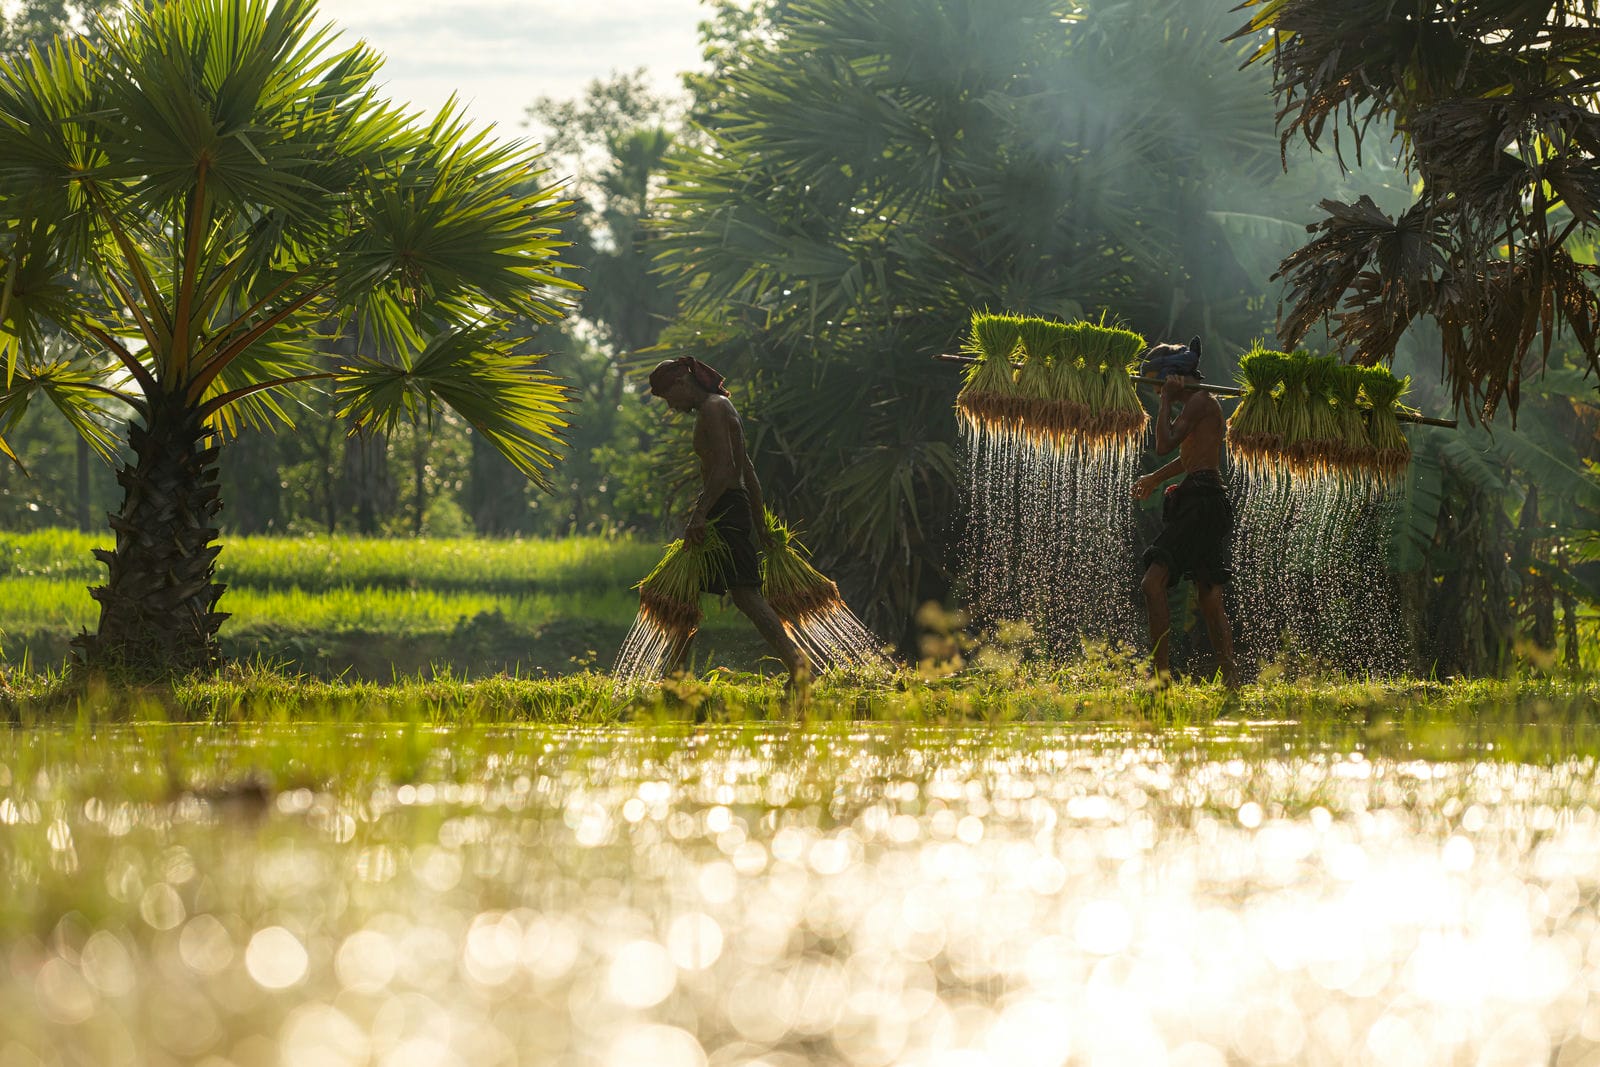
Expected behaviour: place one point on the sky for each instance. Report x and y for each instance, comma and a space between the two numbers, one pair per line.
499, 55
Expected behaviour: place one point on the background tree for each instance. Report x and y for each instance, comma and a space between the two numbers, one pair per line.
613, 142
194, 194
1495, 107
38, 22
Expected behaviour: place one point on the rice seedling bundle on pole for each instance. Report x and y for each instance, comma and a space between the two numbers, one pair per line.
1255, 431
1350, 419
1322, 455
1073, 389
1391, 449
1050, 531
1110, 357
1041, 413
989, 401
1311, 417
816, 616
669, 608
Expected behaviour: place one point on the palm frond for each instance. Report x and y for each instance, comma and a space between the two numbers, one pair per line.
505, 396
82, 391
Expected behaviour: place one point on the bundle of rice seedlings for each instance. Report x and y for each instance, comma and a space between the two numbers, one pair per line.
1313, 417
989, 399
816, 616
1294, 414
1255, 430
1058, 400
1104, 357
1070, 385
669, 608
1354, 454
1391, 450
1038, 342
1318, 452
1122, 416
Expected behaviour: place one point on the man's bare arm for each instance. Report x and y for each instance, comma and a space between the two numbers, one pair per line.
719, 466
1170, 431
1148, 484
752, 484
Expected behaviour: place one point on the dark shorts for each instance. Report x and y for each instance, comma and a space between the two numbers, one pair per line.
731, 516
1197, 531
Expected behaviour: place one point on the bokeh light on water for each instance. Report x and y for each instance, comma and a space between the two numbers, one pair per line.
728, 896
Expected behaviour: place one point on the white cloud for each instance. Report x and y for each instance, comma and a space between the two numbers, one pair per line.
498, 55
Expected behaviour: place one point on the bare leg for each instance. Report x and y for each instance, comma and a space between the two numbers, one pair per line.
748, 599
1221, 632
1155, 602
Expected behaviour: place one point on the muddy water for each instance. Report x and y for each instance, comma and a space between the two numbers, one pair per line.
782, 896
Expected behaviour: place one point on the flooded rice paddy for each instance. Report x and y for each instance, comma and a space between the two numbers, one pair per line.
784, 896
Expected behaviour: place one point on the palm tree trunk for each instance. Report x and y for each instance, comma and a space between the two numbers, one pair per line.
157, 610
419, 465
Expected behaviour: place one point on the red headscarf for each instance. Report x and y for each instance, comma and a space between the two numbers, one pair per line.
667, 373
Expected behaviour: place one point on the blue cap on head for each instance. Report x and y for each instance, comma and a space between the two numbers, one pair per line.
1165, 360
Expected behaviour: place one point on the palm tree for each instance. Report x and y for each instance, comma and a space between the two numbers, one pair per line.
1495, 104
192, 194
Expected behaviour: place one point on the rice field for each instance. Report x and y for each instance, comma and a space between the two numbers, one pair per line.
372, 608
1156, 884
982, 860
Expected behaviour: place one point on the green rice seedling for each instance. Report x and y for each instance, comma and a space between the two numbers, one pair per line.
1122, 416
1059, 401
1040, 339
1317, 418
1106, 409
1355, 453
1391, 449
669, 607
1255, 430
1294, 408
1038, 343
812, 610
1069, 383
1318, 451
989, 398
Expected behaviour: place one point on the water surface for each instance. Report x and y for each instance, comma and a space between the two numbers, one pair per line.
410, 896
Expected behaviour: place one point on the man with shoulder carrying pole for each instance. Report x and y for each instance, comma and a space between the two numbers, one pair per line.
1197, 520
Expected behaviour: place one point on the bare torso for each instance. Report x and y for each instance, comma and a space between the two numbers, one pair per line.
719, 445
1201, 447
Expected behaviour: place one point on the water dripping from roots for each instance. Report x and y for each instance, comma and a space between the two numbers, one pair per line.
1051, 538
1311, 579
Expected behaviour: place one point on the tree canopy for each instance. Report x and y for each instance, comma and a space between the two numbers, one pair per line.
1494, 107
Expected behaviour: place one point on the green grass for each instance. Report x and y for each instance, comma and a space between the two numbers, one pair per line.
37, 603
1526, 717
331, 563
372, 608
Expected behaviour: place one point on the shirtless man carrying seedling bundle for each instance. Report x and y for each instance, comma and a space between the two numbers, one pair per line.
730, 497
1196, 516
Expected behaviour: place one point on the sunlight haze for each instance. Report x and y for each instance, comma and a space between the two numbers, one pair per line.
499, 55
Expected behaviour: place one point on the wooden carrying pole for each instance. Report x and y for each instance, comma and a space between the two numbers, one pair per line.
1233, 390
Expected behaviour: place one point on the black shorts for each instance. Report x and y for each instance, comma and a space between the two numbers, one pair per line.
731, 516
1196, 537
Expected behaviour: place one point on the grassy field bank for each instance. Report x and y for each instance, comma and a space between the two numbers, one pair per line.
374, 609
